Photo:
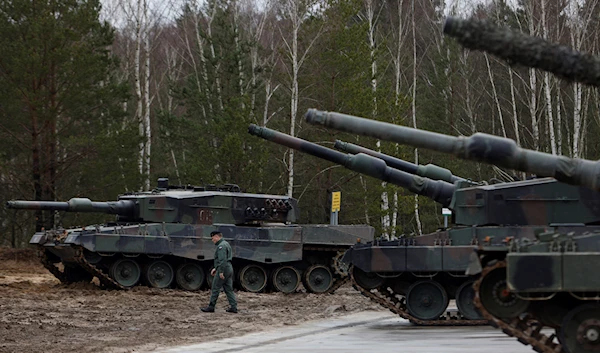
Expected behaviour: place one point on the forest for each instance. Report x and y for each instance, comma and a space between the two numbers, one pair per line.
100, 98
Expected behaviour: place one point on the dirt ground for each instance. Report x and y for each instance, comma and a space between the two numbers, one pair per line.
39, 314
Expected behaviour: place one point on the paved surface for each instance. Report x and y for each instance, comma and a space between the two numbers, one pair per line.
364, 332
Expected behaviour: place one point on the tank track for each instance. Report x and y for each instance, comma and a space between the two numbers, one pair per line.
339, 276
105, 280
45, 260
524, 328
398, 306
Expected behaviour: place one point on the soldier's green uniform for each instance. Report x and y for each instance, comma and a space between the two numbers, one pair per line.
223, 265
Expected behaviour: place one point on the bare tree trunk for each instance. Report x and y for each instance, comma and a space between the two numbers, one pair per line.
371, 20
293, 101
514, 107
547, 87
296, 17
496, 99
214, 55
201, 72
576, 33
148, 132
139, 114
535, 130
397, 59
414, 108
236, 38
254, 60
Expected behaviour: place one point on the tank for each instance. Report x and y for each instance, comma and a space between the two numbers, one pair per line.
562, 294
416, 276
528, 285
161, 239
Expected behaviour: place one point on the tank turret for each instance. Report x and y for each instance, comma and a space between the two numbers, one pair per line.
182, 204
430, 171
520, 48
479, 147
438, 190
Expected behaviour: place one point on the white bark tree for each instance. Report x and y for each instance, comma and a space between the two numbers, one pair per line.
139, 21
547, 85
495, 95
295, 11
579, 22
371, 18
397, 56
533, 109
414, 105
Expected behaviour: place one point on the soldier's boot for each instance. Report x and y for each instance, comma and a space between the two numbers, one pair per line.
232, 310
208, 309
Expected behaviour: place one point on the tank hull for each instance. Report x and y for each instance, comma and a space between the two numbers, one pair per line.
97, 249
384, 270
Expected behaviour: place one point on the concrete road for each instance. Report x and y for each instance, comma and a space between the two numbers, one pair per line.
364, 332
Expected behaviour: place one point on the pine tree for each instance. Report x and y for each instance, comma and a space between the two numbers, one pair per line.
61, 106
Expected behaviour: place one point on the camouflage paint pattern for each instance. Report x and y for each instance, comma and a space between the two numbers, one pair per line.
181, 206
272, 244
557, 261
542, 201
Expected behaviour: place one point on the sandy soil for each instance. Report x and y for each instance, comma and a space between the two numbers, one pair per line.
38, 314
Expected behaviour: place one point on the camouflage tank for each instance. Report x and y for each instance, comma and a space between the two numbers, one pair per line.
416, 276
162, 238
528, 285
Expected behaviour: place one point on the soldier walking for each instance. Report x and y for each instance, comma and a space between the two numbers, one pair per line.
223, 272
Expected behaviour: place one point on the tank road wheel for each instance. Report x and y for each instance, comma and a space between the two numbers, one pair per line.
286, 279
497, 299
189, 276
253, 278
126, 272
366, 280
426, 300
580, 329
464, 301
159, 274
92, 257
317, 279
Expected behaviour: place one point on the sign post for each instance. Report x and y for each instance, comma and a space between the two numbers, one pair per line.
446, 212
336, 202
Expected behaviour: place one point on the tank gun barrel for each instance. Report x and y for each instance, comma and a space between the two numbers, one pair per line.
517, 47
439, 191
430, 171
122, 207
479, 147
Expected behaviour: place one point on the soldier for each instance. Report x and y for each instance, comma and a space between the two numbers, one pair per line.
223, 272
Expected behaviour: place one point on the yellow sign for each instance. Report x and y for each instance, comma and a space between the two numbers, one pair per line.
336, 201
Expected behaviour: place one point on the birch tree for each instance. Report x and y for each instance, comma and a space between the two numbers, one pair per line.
414, 106
294, 12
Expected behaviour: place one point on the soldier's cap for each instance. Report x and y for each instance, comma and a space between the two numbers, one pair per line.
216, 232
